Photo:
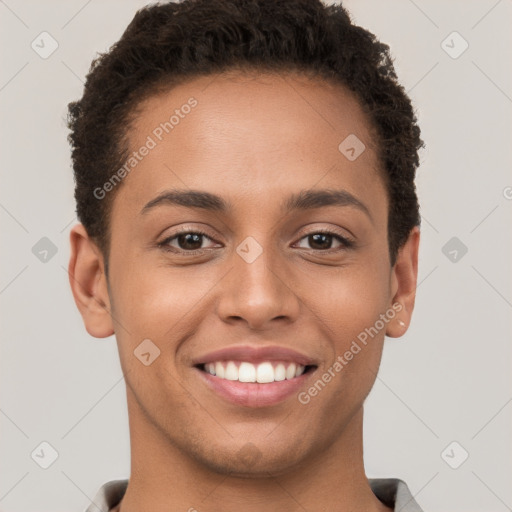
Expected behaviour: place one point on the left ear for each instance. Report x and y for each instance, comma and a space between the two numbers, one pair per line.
404, 277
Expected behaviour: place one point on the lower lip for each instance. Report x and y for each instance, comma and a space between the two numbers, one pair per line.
253, 394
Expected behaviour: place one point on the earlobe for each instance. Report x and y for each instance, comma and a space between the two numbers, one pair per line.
89, 284
404, 276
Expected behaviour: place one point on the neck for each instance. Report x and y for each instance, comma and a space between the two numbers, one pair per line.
164, 478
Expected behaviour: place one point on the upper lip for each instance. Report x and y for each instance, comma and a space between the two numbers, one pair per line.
255, 355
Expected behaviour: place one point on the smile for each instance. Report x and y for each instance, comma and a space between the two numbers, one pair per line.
254, 376
263, 373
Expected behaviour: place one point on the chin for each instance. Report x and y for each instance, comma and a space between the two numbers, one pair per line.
250, 461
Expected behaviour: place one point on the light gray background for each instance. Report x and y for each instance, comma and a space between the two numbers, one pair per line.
448, 379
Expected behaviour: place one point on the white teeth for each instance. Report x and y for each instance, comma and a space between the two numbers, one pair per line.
231, 371
290, 371
280, 372
247, 372
219, 370
265, 373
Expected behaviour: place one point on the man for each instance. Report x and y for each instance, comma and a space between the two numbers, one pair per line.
249, 232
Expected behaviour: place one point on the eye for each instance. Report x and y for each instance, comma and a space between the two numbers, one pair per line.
323, 241
191, 242
185, 241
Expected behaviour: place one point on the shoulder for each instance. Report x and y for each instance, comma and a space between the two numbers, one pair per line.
394, 493
108, 495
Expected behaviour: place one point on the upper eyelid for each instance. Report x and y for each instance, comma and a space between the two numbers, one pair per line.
344, 240
204, 231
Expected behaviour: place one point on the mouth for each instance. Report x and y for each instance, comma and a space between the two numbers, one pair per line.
264, 372
255, 376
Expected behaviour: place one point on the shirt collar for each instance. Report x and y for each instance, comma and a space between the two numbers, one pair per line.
393, 492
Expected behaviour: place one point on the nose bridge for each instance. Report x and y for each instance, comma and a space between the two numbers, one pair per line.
257, 291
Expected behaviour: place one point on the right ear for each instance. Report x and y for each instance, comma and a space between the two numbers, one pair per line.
89, 283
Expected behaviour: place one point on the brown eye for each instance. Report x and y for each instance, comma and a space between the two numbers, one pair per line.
322, 241
190, 241
186, 241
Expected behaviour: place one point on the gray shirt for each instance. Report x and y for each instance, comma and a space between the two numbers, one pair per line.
393, 492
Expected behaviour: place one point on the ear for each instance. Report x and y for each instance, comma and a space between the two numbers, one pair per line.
404, 276
89, 283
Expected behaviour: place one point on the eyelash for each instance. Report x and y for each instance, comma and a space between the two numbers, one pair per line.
345, 242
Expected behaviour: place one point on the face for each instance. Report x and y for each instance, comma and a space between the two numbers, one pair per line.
246, 245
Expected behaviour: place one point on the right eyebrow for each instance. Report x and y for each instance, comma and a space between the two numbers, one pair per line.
190, 199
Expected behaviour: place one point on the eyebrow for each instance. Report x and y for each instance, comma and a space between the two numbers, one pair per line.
304, 200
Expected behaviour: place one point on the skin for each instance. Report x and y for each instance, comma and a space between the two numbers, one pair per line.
254, 140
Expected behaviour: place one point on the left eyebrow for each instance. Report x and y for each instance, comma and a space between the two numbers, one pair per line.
304, 200
309, 199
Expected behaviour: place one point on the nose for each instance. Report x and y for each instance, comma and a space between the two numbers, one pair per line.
258, 293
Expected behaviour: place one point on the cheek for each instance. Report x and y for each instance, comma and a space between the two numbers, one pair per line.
156, 302
353, 299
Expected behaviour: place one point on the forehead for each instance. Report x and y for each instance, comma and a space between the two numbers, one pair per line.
244, 135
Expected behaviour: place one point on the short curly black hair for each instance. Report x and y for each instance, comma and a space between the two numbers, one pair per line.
169, 43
